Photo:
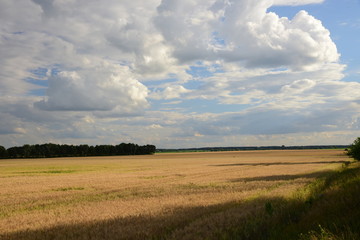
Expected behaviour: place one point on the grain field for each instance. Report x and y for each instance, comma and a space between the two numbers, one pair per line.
167, 195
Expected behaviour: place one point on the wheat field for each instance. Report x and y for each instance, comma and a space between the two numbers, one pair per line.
161, 196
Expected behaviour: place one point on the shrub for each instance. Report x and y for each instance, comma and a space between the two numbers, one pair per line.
354, 149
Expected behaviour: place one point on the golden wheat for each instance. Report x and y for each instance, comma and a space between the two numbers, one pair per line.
145, 196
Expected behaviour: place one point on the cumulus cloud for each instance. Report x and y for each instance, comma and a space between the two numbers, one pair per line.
171, 92
23, 52
103, 88
243, 31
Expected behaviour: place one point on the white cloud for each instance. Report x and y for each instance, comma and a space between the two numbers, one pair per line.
154, 126
298, 86
102, 88
23, 52
245, 32
170, 92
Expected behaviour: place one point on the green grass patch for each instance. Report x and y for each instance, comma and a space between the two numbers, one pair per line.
46, 172
328, 208
196, 187
153, 177
61, 169
68, 189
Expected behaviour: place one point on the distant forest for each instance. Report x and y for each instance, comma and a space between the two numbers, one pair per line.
50, 150
252, 148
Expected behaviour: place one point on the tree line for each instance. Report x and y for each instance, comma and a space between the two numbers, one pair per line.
50, 150
251, 148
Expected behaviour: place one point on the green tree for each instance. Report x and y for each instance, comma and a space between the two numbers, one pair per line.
3, 152
83, 150
354, 149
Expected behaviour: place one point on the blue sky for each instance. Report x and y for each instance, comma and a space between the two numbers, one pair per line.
180, 74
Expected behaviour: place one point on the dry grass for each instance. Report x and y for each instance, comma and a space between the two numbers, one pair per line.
162, 195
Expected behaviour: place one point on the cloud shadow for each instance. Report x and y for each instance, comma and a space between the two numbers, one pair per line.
283, 177
278, 163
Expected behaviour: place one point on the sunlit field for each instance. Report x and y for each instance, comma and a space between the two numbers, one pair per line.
167, 195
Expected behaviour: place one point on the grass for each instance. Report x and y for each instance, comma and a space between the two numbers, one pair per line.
335, 207
69, 189
229, 195
29, 173
326, 209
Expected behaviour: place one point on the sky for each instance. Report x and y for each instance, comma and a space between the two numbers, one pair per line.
180, 73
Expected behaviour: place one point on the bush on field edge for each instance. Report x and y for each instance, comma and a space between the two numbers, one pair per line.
354, 149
